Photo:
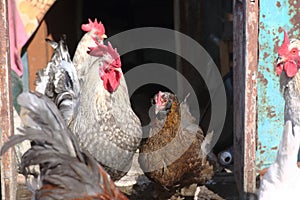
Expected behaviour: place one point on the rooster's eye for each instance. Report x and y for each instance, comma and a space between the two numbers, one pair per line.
294, 51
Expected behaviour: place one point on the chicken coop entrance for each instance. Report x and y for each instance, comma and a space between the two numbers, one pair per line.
207, 22
210, 23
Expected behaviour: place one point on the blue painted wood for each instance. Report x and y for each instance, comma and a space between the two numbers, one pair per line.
25, 76
273, 16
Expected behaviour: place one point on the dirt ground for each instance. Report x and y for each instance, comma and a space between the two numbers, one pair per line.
138, 187
223, 185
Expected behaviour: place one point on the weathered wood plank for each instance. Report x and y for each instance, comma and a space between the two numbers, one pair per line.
8, 170
245, 88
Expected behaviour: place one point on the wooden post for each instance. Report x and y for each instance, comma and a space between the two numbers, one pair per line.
8, 170
245, 45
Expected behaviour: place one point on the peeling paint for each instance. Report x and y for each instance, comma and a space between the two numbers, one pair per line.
294, 10
270, 112
274, 17
262, 79
266, 55
278, 4
274, 148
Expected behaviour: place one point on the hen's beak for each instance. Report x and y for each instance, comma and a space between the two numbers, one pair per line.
104, 36
280, 64
158, 109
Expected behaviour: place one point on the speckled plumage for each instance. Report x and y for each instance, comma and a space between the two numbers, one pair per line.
291, 92
172, 154
104, 123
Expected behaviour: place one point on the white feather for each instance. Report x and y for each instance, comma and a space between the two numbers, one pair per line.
282, 180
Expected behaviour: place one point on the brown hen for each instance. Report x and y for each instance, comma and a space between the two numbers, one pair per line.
173, 155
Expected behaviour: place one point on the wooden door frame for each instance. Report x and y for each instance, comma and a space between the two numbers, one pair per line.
245, 57
8, 167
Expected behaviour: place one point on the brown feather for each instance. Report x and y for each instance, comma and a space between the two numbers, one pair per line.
191, 167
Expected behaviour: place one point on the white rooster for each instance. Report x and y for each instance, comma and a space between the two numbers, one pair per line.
282, 180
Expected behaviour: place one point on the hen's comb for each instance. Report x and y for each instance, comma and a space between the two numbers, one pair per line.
285, 45
102, 49
97, 26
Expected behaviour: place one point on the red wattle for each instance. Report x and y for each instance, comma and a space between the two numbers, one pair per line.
291, 69
111, 80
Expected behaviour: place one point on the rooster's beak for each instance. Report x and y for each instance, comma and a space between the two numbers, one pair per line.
118, 70
280, 59
104, 36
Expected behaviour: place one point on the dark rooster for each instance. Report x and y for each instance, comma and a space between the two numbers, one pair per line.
66, 171
174, 154
98, 109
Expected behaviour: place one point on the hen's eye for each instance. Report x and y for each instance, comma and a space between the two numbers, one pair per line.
164, 99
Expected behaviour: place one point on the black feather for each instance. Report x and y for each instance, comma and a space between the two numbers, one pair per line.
54, 149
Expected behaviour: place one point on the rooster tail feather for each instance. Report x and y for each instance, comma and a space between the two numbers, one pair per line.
13, 140
59, 80
45, 77
67, 100
72, 82
43, 120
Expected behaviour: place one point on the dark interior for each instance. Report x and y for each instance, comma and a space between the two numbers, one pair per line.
204, 21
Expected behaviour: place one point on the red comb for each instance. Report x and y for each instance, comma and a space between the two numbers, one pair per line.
158, 101
285, 45
97, 26
102, 49
159, 95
